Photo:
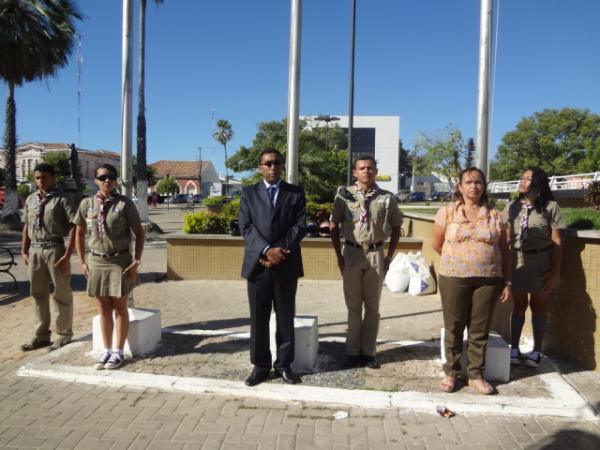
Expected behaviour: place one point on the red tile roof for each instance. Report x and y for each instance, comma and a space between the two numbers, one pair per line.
178, 169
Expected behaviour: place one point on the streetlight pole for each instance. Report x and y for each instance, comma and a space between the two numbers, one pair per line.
351, 93
127, 71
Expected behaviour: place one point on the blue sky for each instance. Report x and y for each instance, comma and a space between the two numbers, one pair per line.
415, 59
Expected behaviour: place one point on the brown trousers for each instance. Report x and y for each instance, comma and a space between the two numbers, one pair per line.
363, 279
467, 302
41, 273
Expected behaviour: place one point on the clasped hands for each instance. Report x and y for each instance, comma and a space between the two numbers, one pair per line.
273, 256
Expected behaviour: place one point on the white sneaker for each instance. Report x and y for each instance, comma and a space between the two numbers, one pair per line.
102, 360
533, 358
515, 357
115, 361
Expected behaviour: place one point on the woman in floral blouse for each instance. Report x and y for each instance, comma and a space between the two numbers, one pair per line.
474, 272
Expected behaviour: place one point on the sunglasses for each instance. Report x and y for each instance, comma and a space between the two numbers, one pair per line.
108, 176
274, 162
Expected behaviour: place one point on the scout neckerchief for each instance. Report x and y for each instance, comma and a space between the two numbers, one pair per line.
367, 197
42, 199
525, 220
105, 203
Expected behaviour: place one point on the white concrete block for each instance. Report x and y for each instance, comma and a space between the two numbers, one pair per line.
144, 332
497, 357
306, 338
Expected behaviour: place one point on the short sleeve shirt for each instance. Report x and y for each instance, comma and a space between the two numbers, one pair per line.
120, 217
56, 221
384, 214
471, 249
539, 225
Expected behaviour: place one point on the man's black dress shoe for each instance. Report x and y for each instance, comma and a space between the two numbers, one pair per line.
257, 376
371, 362
288, 376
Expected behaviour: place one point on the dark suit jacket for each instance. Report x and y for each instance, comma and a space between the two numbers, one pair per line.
280, 226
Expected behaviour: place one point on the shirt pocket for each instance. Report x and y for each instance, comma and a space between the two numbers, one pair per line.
116, 223
353, 212
91, 220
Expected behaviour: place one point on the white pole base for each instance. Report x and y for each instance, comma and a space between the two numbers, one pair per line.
306, 338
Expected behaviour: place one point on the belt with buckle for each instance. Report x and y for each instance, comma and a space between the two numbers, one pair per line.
47, 244
108, 254
534, 251
365, 247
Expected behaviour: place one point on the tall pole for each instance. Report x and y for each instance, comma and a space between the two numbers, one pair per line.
293, 138
127, 70
483, 91
351, 93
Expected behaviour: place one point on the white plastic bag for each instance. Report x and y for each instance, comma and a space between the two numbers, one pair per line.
398, 275
421, 280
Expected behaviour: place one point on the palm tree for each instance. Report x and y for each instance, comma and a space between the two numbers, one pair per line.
36, 39
142, 179
223, 135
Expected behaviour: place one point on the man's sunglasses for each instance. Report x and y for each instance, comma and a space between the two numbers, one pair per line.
274, 162
108, 176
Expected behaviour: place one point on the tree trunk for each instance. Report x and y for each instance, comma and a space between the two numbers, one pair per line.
226, 173
142, 179
11, 204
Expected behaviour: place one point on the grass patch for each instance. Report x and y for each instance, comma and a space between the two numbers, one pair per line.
429, 211
581, 218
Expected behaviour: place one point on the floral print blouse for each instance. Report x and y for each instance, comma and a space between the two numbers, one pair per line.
470, 249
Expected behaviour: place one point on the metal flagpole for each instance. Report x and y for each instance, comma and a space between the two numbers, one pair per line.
127, 70
293, 137
351, 93
483, 91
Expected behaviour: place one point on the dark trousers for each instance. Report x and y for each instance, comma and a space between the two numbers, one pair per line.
467, 302
272, 288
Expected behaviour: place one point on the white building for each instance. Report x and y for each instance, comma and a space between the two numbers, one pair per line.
378, 136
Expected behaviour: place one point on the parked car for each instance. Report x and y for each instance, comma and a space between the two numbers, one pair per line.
416, 197
178, 198
434, 196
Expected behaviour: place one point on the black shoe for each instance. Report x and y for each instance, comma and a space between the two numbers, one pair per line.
35, 344
257, 376
371, 362
59, 343
288, 376
352, 361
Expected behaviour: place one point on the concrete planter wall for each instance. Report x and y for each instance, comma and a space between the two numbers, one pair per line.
572, 331
219, 257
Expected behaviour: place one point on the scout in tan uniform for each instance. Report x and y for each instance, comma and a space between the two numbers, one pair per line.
366, 216
534, 222
111, 271
48, 215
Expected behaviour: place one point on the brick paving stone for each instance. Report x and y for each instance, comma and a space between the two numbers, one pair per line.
213, 441
305, 435
50, 444
285, 441
73, 439
92, 443
165, 445
190, 437
507, 441
520, 435
323, 426
25, 442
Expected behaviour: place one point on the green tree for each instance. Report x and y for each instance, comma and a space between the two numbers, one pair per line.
36, 39
60, 162
470, 153
442, 154
167, 185
560, 141
321, 156
140, 173
75, 169
223, 135
404, 163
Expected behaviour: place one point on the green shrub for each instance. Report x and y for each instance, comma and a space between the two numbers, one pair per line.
318, 211
232, 209
23, 190
581, 218
204, 222
215, 200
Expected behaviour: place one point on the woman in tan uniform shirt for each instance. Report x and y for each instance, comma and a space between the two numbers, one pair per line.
534, 222
111, 271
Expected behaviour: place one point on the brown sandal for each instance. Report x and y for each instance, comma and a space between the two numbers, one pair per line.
35, 344
448, 384
481, 386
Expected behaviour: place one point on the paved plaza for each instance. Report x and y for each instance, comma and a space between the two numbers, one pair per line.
190, 393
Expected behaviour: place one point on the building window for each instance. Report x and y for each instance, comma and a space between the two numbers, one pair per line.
363, 141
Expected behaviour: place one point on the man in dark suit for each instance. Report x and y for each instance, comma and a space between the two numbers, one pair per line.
272, 222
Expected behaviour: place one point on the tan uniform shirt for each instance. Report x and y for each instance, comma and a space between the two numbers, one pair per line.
540, 226
383, 216
58, 215
120, 217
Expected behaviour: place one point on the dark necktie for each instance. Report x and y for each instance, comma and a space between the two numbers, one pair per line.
272, 190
